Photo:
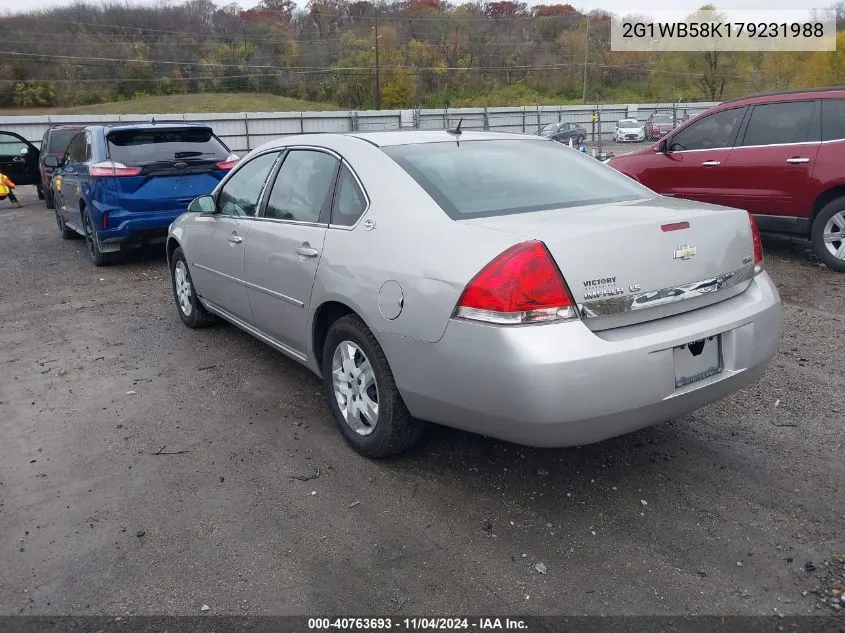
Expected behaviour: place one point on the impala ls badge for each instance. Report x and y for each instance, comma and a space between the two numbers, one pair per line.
684, 252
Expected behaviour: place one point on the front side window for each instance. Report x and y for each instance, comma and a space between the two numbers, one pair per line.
713, 131
781, 123
833, 119
303, 186
502, 177
241, 193
12, 145
59, 140
73, 150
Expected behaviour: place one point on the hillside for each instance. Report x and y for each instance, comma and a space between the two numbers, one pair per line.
360, 54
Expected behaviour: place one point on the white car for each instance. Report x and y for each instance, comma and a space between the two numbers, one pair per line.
629, 130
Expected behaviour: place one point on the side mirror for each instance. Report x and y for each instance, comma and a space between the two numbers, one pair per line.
51, 161
203, 204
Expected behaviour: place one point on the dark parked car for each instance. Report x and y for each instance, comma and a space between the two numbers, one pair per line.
564, 131
53, 143
120, 187
779, 156
18, 159
658, 125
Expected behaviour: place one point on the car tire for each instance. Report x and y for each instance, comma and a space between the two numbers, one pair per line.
190, 308
579, 140
98, 258
64, 231
349, 347
40, 191
830, 224
49, 202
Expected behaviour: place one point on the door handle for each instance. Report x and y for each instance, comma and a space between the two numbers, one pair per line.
711, 163
307, 251
797, 160
17, 159
235, 239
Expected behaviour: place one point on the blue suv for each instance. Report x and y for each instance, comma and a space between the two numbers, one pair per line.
120, 187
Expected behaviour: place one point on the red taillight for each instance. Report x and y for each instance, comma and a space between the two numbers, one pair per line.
522, 285
230, 162
109, 169
758, 245
105, 220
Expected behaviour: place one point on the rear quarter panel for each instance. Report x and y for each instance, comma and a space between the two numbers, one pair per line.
414, 243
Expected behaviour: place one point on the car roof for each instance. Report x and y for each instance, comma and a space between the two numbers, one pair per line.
417, 137
119, 127
833, 92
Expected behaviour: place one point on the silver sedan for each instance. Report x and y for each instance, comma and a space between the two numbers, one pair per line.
498, 283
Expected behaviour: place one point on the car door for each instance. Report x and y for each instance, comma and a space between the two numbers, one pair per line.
67, 183
18, 159
286, 243
215, 247
769, 171
692, 164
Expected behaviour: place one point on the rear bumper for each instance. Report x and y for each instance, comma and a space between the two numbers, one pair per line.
126, 228
563, 385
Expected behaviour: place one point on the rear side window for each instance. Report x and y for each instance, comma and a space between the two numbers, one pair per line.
502, 177
58, 140
833, 119
349, 201
781, 123
302, 186
148, 146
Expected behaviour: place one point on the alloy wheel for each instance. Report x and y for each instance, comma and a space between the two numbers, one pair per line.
834, 235
183, 288
355, 387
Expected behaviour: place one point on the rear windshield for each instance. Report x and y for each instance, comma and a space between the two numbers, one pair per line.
501, 177
628, 123
144, 147
59, 140
661, 118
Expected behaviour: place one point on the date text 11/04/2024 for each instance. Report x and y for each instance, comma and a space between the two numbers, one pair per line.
373, 624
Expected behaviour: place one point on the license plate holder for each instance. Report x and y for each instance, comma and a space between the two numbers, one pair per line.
697, 360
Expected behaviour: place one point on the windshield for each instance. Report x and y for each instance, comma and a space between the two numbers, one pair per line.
146, 146
662, 118
59, 140
628, 123
501, 177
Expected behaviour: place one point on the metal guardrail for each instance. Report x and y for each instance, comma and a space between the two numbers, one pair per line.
244, 131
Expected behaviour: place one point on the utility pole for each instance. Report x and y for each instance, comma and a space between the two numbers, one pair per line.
586, 54
378, 67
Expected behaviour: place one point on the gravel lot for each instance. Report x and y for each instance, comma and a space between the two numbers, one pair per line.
146, 468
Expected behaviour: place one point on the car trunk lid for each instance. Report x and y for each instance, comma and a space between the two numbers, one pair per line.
631, 262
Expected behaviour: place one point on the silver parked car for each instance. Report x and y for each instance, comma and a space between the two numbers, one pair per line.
460, 279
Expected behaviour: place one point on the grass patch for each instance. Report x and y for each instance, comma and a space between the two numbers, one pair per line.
181, 103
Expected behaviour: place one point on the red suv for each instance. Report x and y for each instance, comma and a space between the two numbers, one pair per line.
658, 125
53, 143
779, 156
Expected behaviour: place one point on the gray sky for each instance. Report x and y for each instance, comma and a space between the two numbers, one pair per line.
616, 6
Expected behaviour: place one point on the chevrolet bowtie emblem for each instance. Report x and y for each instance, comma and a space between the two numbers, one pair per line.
684, 252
